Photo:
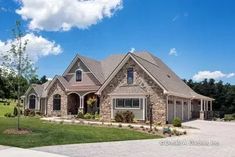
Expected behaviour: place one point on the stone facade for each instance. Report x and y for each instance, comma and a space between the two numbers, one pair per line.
154, 94
57, 88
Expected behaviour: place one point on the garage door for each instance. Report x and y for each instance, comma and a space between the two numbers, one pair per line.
170, 113
179, 111
185, 112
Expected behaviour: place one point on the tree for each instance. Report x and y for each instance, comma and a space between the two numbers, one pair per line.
43, 79
34, 80
18, 61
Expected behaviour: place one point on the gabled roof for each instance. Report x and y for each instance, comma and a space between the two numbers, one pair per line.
39, 89
61, 79
160, 73
105, 70
93, 65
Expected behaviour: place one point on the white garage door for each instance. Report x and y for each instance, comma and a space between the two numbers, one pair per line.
185, 112
170, 112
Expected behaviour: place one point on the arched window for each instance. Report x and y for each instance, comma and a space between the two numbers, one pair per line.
130, 76
78, 75
32, 101
56, 102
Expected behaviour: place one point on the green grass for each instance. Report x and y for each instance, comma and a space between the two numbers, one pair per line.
45, 133
7, 108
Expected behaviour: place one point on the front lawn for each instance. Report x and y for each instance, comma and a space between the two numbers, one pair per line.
45, 133
6, 108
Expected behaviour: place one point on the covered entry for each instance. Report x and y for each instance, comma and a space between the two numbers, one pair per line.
91, 103
73, 103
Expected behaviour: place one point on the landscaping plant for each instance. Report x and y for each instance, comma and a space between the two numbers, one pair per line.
177, 122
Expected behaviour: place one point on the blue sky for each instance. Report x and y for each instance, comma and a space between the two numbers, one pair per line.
200, 34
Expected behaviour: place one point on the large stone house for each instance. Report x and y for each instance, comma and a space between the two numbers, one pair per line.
132, 81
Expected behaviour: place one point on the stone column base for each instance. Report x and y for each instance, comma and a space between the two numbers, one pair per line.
202, 115
80, 110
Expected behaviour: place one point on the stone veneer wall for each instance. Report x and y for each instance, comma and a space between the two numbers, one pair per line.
145, 82
57, 88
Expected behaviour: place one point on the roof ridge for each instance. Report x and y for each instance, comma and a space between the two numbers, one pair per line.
145, 59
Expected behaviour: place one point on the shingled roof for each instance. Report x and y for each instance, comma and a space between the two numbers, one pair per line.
160, 71
165, 77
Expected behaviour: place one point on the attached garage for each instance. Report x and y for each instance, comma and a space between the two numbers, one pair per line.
186, 109
170, 111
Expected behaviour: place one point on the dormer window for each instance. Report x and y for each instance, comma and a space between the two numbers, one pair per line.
130, 76
78, 75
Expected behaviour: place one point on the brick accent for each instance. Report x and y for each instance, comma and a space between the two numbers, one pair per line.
142, 79
57, 88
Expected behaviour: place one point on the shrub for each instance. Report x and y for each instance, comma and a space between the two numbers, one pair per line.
15, 111
229, 117
97, 116
119, 117
9, 115
28, 112
128, 116
89, 116
177, 122
125, 117
80, 115
38, 113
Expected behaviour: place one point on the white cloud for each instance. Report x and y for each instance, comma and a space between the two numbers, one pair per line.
173, 52
132, 50
201, 75
49, 78
55, 15
37, 47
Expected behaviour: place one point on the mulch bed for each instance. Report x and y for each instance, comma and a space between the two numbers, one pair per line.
14, 131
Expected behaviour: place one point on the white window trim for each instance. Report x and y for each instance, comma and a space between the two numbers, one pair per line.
133, 79
127, 108
36, 101
53, 104
76, 75
126, 97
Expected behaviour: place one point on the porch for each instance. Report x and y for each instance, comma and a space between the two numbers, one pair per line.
187, 109
78, 102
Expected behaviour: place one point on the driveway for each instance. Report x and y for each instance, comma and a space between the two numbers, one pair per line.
214, 139
6, 151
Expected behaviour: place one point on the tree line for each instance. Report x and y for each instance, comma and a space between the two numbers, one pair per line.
9, 85
223, 93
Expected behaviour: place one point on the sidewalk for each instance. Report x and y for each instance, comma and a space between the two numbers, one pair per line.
18, 152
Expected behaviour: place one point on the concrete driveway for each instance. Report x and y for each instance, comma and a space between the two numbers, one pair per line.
18, 152
213, 139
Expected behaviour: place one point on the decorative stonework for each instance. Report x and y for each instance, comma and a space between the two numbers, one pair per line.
155, 93
57, 88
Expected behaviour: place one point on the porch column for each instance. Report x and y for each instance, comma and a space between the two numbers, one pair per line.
189, 109
182, 105
201, 105
174, 107
167, 117
82, 102
206, 105
211, 105
202, 113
